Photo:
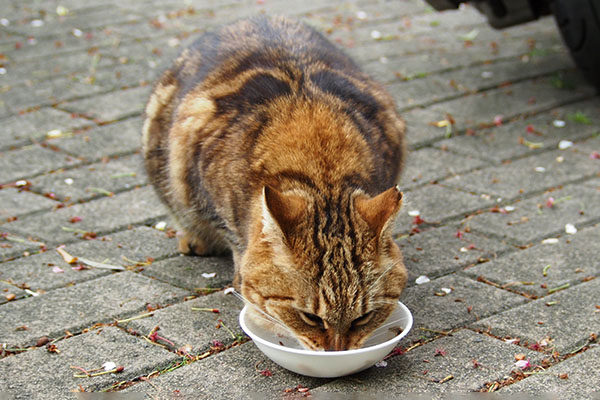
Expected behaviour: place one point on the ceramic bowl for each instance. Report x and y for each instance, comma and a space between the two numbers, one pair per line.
288, 353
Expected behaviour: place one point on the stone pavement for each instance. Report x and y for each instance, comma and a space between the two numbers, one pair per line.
504, 173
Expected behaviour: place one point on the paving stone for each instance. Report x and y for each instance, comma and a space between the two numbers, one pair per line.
34, 126
30, 161
111, 140
500, 143
23, 376
437, 252
136, 206
9, 292
428, 201
89, 18
429, 164
512, 101
13, 245
119, 249
571, 260
581, 370
82, 183
233, 374
448, 85
421, 129
56, 65
74, 308
45, 92
406, 373
467, 302
111, 106
568, 322
518, 178
130, 74
183, 325
186, 272
16, 202
532, 220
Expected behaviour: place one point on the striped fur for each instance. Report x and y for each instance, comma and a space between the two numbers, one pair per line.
265, 139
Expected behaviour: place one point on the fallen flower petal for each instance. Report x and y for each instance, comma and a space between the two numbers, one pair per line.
564, 144
523, 364
570, 229
109, 365
57, 270
209, 275
381, 364
595, 155
422, 279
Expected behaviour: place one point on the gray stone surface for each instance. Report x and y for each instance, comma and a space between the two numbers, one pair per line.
440, 251
136, 206
107, 141
539, 269
511, 101
232, 374
187, 272
469, 301
580, 372
30, 161
9, 292
34, 126
16, 202
429, 164
77, 307
527, 175
532, 220
38, 373
90, 181
436, 204
111, 106
420, 370
13, 244
500, 143
567, 322
198, 330
129, 249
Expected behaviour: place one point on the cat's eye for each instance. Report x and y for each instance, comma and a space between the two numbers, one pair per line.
363, 320
312, 319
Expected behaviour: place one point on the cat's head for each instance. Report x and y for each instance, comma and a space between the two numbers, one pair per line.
328, 270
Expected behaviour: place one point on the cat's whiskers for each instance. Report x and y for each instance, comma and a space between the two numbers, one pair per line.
265, 316
389, 268
384, 332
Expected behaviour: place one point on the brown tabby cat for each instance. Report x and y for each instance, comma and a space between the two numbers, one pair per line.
265, 139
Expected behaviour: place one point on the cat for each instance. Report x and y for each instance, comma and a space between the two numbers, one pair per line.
266, 140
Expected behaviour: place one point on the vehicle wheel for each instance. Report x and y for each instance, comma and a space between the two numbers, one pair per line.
579, 24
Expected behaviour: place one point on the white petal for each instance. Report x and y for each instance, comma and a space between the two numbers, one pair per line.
69, 181
361, 15
564, 144
381, 364
414, 213
422, 279
446, 290
376, 35
109, 366
160, 225
209, 275
559, 123
540, 169
550, 241
570, 229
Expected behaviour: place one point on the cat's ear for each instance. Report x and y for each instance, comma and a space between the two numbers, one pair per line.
379, 211
283, 211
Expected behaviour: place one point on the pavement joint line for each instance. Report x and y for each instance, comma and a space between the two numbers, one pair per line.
485, 89
510, 119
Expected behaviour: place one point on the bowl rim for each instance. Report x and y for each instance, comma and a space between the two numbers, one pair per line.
278, 347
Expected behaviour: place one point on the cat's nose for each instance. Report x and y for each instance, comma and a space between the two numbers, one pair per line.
337, 343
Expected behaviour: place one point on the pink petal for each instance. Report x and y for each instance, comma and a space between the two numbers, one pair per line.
57, 270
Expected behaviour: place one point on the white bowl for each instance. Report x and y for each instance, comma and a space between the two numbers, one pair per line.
329, 364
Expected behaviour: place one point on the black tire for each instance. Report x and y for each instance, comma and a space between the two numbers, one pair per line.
579, 24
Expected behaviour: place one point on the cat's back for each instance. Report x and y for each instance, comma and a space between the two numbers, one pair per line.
266, 101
